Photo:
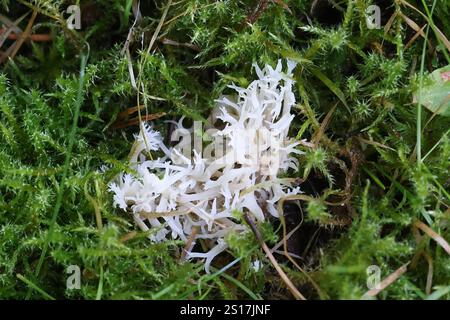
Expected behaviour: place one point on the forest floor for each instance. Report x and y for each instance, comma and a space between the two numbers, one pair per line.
372, 106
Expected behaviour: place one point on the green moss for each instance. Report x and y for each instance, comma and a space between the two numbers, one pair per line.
368, 75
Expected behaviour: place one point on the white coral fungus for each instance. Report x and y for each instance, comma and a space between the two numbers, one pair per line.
191, 200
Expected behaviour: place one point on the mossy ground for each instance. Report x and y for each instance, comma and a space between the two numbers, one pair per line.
379, 163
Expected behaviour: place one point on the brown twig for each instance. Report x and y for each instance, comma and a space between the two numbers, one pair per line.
288, 255
387, 281
323, 127
272, 259
429, 274
420, 252
124, 115
128, 236
374, 143
33, 37
438, 32
189, 242
170, 42
135, 121
260, 7
24, 35
10, 27
432, 234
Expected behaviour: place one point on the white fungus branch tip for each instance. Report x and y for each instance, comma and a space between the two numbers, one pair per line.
202, 194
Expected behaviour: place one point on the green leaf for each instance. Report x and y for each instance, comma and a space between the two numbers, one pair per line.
439, 293
330, 84
435, 93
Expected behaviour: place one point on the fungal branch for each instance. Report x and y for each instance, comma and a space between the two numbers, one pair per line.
190, 190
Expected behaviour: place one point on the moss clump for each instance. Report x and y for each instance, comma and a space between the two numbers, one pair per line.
365, 183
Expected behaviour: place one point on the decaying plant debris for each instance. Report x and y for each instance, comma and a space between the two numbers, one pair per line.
371, 163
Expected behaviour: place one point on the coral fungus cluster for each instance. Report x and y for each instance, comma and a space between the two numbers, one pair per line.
237, 170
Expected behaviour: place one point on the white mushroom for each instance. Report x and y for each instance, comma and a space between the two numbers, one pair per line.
203, 193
